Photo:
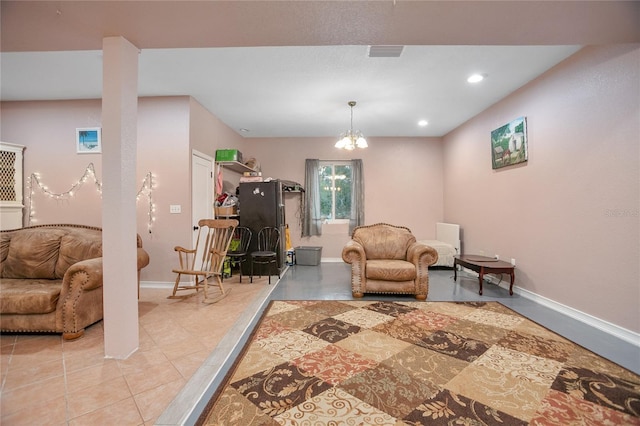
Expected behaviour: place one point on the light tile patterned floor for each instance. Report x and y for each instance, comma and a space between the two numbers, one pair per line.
48, 381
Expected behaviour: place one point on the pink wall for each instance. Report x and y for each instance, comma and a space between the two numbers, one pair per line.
163, 148
403, 182
207, 133
570, 215
47, 129
168, 129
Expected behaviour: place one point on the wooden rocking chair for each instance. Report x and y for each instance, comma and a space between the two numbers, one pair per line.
206, 259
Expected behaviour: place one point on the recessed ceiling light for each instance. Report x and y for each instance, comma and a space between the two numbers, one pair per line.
243, 130
423, 123
476, 78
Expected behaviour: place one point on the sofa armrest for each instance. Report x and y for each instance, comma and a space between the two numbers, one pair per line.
82, 276
421, 255
80, 300
353, 252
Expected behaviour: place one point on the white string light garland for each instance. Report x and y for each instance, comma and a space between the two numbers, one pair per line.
34, 183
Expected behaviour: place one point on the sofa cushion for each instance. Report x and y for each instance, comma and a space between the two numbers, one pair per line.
36, 296
33, 253
78, 245
390, 270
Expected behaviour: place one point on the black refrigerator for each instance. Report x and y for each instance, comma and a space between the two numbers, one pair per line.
260, 205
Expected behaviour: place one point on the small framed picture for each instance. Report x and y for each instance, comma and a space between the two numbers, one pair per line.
88, 140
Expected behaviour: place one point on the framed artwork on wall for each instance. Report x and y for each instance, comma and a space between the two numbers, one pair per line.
88, 140
509, 144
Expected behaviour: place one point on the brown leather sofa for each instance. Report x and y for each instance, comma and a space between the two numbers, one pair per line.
387, 259
51, 278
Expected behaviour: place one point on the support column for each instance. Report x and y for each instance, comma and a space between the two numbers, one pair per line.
119, 140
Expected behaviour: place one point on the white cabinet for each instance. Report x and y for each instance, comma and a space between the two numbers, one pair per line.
11, 188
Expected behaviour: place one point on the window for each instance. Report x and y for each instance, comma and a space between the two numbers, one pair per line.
335, 191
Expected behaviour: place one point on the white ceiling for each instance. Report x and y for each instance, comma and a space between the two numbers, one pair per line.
302, 91
237, 59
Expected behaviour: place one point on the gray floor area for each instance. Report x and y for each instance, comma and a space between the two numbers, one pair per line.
331, 281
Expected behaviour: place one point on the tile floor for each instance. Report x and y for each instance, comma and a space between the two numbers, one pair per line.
47, 381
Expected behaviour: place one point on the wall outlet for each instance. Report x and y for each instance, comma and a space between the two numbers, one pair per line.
513, 261
175, 208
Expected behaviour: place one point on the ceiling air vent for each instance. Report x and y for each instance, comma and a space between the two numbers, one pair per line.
385, 51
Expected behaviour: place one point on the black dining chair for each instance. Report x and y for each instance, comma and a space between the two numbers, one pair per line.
238, 255
267, 253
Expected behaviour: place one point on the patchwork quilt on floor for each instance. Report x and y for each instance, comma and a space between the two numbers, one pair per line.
414, 363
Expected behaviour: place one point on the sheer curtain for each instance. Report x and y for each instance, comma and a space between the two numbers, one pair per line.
312, 221
357, 195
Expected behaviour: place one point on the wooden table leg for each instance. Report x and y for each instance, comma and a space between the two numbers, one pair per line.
480, 279
513, 276
455, 270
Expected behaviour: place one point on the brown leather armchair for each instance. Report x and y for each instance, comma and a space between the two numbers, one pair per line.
387, 259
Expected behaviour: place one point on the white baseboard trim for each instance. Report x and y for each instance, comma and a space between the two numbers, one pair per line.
609, 328
157, 284
602, 325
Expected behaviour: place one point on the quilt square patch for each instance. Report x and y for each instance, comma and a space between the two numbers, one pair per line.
280, 388
393, 391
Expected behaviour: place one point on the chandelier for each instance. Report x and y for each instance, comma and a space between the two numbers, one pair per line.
351, 139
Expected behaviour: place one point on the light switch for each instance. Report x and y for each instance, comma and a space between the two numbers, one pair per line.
175, 208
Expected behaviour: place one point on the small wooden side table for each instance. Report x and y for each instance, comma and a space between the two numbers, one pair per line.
483, 265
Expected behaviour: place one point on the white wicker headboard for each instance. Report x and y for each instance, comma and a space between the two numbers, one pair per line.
449, 233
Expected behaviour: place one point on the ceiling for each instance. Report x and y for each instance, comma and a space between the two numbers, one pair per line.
302, 91
295, 80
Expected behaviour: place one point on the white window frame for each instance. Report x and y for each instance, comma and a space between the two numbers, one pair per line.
324, 163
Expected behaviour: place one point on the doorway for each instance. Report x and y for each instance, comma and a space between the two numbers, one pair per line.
201, 190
